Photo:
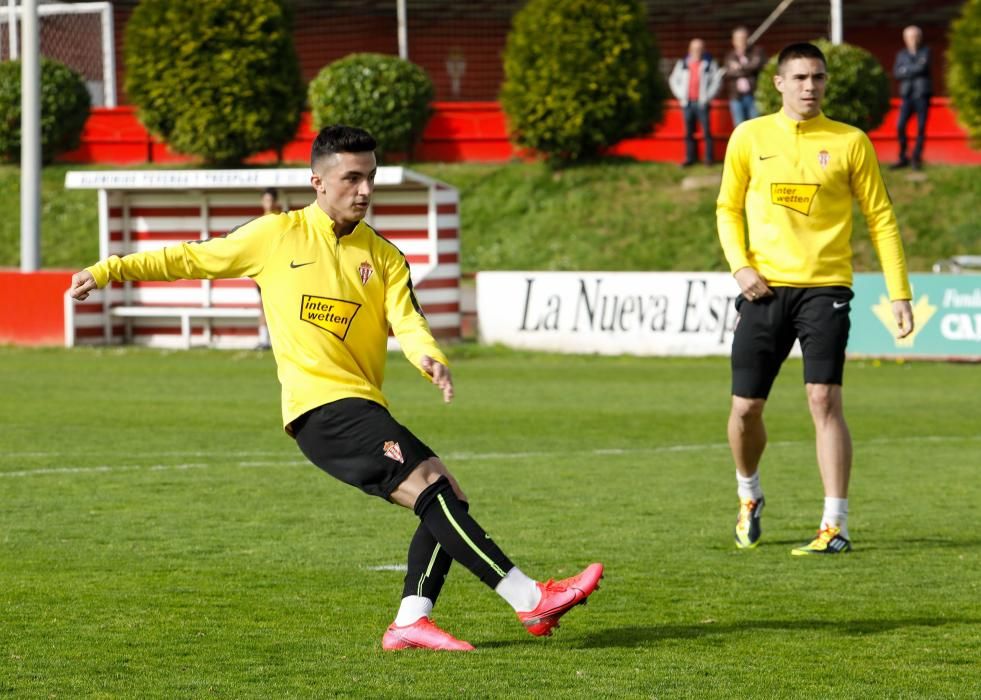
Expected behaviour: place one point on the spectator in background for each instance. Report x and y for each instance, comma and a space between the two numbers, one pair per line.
912, 70
270, 205
694, 81
270, 201
742, 65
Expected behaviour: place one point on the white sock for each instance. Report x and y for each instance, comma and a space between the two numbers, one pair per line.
836, 515
749, 486
412, 608
519, 591
263, 334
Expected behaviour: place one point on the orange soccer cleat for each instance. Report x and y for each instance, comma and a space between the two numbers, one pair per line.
558, 598
422, 634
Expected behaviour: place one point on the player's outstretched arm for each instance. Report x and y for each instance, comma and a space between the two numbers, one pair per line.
441, 376
82, 283
902, 311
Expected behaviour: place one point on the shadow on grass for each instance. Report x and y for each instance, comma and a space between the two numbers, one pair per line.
927, 542
869, 545
640, 636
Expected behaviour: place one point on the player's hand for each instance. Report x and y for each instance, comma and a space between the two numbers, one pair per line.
902, 311
752, 284
441, 376
82, 283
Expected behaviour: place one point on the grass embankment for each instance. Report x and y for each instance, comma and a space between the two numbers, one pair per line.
608, 216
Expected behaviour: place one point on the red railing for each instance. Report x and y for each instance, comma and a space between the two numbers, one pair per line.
477, 132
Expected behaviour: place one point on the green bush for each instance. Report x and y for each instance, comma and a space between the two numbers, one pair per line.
65, 104
217, 79
964, 68
580, 75
386, 95
858, 87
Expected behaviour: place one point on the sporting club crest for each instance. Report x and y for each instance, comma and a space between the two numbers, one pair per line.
365, 270
824, 158
393, 451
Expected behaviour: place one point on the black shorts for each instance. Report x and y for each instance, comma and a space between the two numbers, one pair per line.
358, 442
766, 331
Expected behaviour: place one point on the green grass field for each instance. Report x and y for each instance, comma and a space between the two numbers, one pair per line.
160, 537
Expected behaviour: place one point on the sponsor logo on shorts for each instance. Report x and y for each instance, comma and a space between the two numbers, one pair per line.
839, 304
365, 270
332, 315
794, 195
392, 450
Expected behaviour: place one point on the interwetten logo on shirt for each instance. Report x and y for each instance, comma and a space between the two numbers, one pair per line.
793, 195
332, 315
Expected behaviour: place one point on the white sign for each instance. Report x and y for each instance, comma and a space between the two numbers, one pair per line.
611, 313
218, 179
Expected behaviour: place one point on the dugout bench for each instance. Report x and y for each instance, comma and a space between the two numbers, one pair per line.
149, 209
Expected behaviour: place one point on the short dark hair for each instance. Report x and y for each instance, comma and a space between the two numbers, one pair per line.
272, 192
338, 138
800, 50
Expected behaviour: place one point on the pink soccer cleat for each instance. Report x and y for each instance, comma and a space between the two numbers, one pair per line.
422, 634
558, 598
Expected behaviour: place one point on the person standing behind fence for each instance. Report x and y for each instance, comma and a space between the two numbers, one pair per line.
912, 70
742, 65
694, 81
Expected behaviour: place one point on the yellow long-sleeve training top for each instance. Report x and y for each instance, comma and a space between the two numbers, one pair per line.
795, 180
328, 301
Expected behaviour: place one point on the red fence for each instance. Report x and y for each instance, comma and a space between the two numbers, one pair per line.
476, 131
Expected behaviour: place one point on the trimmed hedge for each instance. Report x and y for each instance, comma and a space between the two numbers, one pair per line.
857, 92
386, 95
580, 75
65, 104
218, 79
964, 69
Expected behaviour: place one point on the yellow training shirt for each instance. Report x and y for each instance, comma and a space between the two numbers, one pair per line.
796, 181
328, 301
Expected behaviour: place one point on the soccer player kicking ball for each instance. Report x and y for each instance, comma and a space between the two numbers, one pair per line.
795, 174
331, 287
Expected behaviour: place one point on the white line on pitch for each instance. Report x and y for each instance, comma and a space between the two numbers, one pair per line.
174, 453
469, 456
516, 455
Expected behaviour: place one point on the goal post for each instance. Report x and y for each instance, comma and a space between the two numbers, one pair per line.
80, 35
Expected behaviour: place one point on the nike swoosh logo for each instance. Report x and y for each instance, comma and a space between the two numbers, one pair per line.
839, 304
296, 265
565, 602
769, 157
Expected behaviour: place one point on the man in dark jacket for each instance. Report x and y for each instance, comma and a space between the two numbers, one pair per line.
912, 70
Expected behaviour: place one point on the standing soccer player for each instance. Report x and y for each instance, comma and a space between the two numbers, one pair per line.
331, 287
795, 174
